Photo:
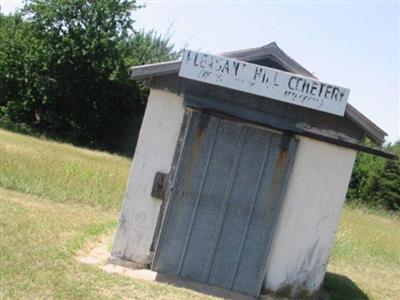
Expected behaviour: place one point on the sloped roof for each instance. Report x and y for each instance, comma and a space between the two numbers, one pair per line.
273, 52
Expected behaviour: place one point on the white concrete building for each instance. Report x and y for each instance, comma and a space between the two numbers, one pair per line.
252, 190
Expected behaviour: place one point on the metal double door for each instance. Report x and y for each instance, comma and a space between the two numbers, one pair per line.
223, 203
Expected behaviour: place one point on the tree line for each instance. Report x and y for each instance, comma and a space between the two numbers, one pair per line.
64, 73
376, 181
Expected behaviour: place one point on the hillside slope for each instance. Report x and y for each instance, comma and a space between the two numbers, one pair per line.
54, 197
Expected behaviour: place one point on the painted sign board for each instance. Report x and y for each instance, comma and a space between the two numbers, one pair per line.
264, 81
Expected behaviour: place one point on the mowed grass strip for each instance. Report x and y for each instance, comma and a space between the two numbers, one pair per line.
38, 241
61, 172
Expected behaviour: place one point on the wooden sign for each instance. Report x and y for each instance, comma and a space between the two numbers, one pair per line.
264, 81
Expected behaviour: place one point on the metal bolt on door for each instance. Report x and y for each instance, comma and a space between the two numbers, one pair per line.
224, 202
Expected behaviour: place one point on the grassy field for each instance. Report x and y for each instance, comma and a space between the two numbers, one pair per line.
55, 197
61, 172
367, 251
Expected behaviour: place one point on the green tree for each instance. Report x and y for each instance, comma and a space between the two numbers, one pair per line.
21, 61
148, 47
365, 165
89, 98
382, 188
65, 70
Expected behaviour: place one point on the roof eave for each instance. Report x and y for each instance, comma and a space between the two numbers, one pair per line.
375, 133
270, 50
153, 70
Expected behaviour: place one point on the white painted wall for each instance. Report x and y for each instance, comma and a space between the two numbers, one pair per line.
154, 153
310, 215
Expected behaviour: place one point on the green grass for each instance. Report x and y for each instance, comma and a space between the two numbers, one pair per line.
55, 197
367, 251
61, 172
39, 239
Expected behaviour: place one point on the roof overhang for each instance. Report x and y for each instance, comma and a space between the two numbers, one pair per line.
273, 52
268, 51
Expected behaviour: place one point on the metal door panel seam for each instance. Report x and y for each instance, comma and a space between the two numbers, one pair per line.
225, 202
262, 170
198, 198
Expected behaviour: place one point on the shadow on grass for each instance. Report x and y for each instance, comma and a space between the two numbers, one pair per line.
339, 287
335, 287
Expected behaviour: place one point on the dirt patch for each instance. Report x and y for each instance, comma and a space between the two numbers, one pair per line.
96, 252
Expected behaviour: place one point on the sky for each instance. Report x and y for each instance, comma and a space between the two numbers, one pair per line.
354, 44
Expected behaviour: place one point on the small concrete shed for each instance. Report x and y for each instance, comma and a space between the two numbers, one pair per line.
234, 189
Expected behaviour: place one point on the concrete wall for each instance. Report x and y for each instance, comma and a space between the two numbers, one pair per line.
154, 153
309, 217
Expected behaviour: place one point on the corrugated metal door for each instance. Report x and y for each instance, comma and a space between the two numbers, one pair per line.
223, 204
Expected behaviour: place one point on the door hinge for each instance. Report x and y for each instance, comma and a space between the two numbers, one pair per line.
285, 141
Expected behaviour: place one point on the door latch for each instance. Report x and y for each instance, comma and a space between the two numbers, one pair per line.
159, 185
